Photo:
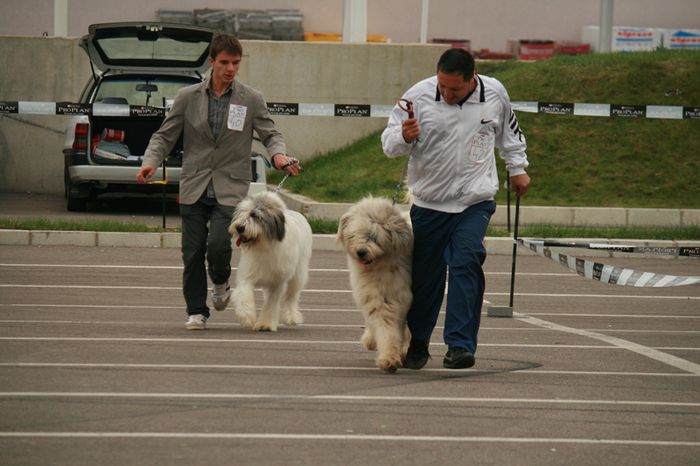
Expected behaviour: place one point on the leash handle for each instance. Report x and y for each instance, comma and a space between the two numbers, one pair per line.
408, 108
165, 176
403, 174
291, 162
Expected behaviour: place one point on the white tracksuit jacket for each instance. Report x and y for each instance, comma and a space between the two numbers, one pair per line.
453, 165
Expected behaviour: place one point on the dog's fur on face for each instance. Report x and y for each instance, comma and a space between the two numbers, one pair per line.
378, 241
276, 248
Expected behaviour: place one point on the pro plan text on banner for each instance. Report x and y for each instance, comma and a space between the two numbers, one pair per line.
356, 110
610, 110
69, 108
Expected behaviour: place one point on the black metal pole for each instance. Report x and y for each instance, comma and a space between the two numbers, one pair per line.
164, 203
515, 249
508, 197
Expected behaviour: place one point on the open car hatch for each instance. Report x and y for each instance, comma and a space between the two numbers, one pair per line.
155, 46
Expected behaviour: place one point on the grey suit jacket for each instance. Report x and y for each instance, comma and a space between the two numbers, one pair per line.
226, 161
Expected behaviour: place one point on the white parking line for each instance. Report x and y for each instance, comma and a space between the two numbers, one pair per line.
132, 267
180, 267
345, 437
179, 367
179, 288
311, 342
628, 345
334, 398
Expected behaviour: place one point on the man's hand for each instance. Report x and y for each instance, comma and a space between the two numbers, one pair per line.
280, 160
409, 130
519, 184
145, 173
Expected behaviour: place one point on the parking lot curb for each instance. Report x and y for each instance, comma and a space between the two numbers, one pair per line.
321, 242
564, 216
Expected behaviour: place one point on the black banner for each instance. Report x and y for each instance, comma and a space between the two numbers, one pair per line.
628, 111
343, 110
555, 108
282, 108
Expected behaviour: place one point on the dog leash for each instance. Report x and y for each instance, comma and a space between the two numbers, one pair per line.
409, 109
291, 162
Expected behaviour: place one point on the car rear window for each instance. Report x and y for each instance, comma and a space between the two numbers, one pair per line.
153, 46
155, 92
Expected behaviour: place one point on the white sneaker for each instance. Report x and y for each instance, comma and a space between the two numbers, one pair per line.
196, 322
220, 296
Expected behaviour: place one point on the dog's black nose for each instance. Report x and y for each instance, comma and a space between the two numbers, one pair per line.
240, 228
361, 253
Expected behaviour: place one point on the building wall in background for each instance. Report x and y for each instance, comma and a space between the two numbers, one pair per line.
486, 23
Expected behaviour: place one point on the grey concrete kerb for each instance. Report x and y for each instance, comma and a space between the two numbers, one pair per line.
560, 216
571, 216
102, 239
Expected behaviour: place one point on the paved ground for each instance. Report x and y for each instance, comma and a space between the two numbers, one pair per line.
97, 368
148, 210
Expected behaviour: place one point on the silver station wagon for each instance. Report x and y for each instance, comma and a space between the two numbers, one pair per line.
137, 69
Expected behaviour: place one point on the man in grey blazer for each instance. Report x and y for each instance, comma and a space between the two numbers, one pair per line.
217, 118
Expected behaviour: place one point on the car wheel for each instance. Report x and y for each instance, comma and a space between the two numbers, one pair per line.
74, 204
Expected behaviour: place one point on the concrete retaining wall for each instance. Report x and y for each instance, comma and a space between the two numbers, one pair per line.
52, 69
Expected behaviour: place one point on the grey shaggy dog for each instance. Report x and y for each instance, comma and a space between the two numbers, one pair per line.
276, 246
378, 241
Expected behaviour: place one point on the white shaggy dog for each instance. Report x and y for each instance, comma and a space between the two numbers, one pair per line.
378, 241
276, 249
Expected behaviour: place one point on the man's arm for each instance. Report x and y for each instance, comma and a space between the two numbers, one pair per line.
394, 142
162, 141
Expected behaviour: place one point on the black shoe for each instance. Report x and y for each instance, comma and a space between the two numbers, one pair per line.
418, 354
458, 358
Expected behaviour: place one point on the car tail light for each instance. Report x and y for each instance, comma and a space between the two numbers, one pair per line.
81, 135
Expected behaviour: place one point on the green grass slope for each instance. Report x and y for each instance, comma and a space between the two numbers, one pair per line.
574, 160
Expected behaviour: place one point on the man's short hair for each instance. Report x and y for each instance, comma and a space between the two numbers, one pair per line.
457, 61
224, 42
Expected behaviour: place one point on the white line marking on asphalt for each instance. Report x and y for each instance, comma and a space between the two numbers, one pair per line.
604, 296
390, 399
97, 266
357, 325
610, 330
311, 342
139, 266
180, 367
172, 288
179, 267
616, 316
140, 307
628, 345
345, 437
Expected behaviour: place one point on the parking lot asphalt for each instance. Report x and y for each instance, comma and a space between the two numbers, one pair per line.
96, 367
137, 209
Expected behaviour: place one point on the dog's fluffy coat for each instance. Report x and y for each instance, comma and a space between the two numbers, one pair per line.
276, 249
378, 240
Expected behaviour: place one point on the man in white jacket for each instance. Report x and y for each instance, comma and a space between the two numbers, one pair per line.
460, 117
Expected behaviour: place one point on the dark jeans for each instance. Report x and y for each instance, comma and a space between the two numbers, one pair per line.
202, 244
445, 240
